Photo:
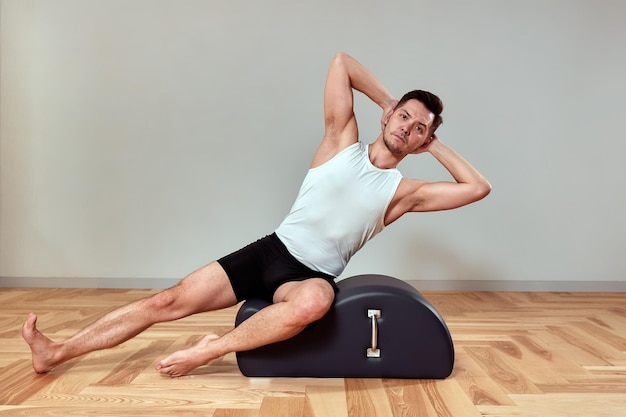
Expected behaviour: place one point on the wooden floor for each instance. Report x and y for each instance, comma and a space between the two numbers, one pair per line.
517, 354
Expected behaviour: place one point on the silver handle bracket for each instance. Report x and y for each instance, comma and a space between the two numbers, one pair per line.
374, 351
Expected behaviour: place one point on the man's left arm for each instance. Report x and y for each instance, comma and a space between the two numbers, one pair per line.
470, 185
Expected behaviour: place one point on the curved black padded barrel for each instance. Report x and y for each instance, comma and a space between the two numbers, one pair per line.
412, 337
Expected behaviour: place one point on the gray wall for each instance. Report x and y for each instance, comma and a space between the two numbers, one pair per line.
142, 139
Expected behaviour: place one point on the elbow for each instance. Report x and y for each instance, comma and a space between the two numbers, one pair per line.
479, 190
341, 59
339, 56
483, 189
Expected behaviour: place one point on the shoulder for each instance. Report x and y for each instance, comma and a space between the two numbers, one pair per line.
330, 148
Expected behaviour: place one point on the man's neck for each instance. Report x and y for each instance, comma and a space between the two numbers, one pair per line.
381, 157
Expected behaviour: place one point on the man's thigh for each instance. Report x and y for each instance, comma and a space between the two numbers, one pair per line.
205, 289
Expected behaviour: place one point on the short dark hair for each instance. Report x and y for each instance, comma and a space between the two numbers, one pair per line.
430, 101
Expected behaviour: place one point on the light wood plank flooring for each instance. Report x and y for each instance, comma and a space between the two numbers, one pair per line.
517, 354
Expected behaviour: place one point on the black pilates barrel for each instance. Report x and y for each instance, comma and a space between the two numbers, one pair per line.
413, 338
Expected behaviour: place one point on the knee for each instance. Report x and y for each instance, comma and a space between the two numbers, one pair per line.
312, 304
164, 303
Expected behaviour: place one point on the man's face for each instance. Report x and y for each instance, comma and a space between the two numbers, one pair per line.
407, 128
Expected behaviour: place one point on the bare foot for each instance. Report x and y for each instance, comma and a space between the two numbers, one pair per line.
41, 347
183, 361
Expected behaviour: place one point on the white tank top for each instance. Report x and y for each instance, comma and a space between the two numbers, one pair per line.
340, 206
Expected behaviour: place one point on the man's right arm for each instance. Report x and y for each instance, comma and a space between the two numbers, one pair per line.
344, 75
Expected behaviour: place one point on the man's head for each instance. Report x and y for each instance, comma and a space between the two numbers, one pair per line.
411, 125
430, 101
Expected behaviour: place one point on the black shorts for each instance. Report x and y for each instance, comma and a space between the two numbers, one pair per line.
257, 270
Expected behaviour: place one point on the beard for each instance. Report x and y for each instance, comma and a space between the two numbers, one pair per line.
392, 145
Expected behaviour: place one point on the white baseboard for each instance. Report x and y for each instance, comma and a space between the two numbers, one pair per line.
516, 286
422, 285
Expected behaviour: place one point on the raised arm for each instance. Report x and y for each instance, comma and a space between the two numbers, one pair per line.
344, 75
416, 195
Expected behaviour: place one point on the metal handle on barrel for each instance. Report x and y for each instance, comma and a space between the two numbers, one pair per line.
374, 351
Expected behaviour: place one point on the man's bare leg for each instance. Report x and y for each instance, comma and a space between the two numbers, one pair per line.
204, 290
296, 304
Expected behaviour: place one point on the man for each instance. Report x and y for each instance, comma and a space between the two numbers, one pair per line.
351, 192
